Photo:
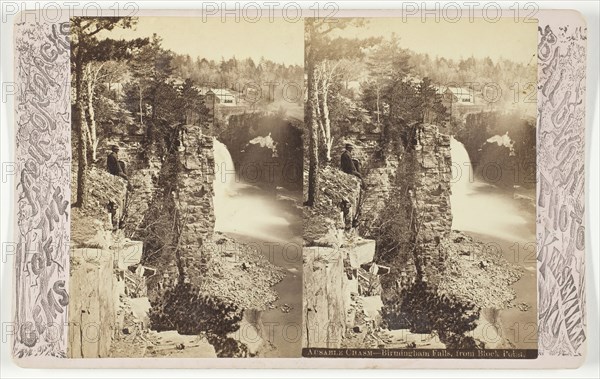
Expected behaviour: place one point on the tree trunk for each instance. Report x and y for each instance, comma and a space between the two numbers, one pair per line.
141, 102
81, 127
378, 122
313, 149
93, 135
318, 106
327, 121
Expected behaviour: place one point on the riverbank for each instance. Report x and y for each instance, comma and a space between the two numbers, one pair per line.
517, 321
504, 221
275, 330
240, 274
477, 272
268, 223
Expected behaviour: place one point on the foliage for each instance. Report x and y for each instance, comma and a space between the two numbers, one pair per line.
112, 117
190, 312
239, 75
323, 56
83, 42
421, 310
192, 104
395, 228
510, 76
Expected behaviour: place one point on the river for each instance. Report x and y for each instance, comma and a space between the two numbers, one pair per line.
270, 220
495, 216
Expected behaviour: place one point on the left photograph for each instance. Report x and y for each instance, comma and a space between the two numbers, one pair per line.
186, 224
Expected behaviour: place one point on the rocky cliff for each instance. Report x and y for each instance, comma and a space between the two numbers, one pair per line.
176, 279
179, 221
501, 146
430, 199
194, 200
338, 275
266, 149
407, 208
100, 275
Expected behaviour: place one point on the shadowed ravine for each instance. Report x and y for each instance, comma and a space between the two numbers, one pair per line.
494, 216
265, 220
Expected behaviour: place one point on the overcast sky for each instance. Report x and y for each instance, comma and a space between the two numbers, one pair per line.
279, 41
516, 41
283, 42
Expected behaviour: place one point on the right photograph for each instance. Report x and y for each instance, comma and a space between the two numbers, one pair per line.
419, 188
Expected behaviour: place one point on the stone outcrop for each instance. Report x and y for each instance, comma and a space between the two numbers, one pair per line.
99, 277
194, 200
180, 219
428, 269
167, 204
334, 258
325, 303
379, 169
430, 199
100, 272
502, 148
92, 316
143, 186
266, 149
407, 205
336, 207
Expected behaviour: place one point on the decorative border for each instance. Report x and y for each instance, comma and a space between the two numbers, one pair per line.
561, 199
43, 149
43, 156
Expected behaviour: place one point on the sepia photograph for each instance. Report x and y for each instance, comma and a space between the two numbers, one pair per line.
419, 188
297, 186
186, 217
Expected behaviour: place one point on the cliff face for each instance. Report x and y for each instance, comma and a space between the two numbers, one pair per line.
194, 199
334, 259
325, 297
430, 199
124, 287
423, 278
99, 271
407, 208
502, 148
180, 218
266, 149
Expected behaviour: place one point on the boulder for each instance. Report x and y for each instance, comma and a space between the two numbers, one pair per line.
128, 253
361, 252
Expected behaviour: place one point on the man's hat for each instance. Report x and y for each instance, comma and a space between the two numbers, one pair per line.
114, 147
349, 146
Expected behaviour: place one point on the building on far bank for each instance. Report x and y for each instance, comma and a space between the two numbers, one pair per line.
221, 97
222, 103
460, 100
458, 95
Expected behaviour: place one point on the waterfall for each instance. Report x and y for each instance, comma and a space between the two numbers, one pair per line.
480, 207
223, 184
461, 183
243, 208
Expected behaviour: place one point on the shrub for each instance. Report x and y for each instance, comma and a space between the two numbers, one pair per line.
190, 312
422, 310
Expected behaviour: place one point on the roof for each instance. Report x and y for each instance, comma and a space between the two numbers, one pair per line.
225, 96
220, 92
461, 93
202, 90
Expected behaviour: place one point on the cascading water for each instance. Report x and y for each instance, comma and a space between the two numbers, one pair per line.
223, 185
240, 207
481, 207
492, 215
257, 217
